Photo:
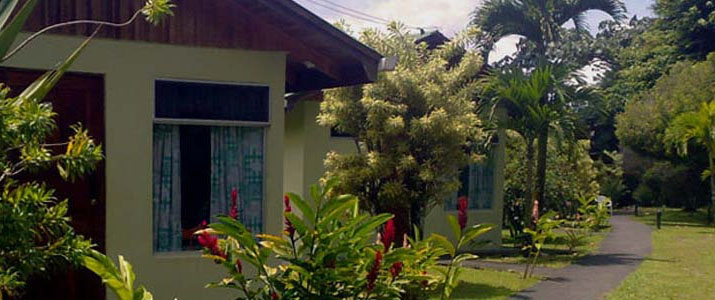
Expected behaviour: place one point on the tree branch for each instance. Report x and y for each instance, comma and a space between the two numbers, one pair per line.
70, 23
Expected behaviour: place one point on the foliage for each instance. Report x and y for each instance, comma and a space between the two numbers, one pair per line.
119, 280
571, 173
35, 234
539, 22
463, 236
414, 128
643, 124
594, 214
328, 251
544, 230
698, 128
692, 23
576, 237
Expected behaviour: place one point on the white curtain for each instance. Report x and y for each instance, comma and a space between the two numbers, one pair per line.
167, 189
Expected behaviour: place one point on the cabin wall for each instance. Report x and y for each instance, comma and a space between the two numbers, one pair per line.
129, 70
306, 145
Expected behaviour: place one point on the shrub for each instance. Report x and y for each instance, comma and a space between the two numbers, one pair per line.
329, 251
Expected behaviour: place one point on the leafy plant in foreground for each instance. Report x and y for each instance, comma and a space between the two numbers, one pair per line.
328, 251
35, 234
463, 236
120, 280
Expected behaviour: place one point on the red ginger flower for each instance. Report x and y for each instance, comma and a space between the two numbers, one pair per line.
234, 204
462, 216
396, 269
389, 234
239, 266
374, 271
274, 296
289, 226
424, 282
210, 242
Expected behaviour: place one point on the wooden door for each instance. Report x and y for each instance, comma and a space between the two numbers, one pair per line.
77, 98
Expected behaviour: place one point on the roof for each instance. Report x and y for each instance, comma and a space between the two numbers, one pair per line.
433, 38
319, 55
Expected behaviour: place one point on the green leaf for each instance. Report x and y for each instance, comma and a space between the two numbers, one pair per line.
443, 243
297, 223
336, 208
372, 224
127, 272
142, 294
6, 8
305, 209
454, 224
9, 33
475, 231
40, 87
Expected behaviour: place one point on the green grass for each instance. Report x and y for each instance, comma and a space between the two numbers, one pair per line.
554, 255
488, 284
682, 265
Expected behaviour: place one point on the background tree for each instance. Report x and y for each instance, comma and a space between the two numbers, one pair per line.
415, 128
697, 128
35, 234
522, 95
539, 22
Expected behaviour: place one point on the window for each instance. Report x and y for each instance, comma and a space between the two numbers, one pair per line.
477, 184
208, 139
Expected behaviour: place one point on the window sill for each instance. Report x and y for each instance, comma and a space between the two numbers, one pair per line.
188, 254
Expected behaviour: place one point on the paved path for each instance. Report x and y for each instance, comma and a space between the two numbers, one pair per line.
595, 275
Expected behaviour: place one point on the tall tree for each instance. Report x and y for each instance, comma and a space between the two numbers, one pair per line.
540, 23
697, 128
414, 128
522, 95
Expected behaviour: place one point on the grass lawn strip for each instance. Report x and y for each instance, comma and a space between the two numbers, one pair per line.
682, 265
489, 284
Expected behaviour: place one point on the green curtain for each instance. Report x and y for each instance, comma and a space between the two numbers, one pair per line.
477, 185
167, 189
237, 162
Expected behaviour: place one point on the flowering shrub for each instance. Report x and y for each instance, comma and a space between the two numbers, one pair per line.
329, 251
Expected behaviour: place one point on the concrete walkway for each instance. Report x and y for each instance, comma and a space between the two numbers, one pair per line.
596, 274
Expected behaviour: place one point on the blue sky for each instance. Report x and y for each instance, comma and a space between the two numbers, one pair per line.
449, 16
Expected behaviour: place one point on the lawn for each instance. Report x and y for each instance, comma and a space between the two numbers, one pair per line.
488, 284
555, 252
682, 265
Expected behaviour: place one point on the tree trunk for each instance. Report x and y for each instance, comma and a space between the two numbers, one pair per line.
712, 189
529, 188
541, 167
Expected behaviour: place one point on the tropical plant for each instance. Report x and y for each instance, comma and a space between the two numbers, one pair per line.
594, 214
463, 237
414, 129
328, 249
35, 234
539, 22
120, 280
543, 232
698, 128
575, 236
533, 101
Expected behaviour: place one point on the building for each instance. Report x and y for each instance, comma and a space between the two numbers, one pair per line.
185, 111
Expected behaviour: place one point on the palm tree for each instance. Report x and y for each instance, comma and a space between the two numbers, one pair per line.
696, 127
540, 22
521, 95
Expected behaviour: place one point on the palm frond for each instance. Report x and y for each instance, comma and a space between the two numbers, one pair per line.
570, 9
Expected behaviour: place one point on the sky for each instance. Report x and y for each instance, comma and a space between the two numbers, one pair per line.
449, 16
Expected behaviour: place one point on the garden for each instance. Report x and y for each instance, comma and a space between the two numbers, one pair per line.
588, 157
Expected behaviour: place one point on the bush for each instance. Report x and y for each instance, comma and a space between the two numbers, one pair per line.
329, 251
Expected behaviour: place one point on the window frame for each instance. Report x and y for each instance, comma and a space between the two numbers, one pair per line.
212, 123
